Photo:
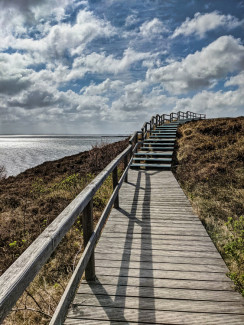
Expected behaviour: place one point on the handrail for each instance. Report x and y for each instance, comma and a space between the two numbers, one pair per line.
68, 295
20, 274
161, 119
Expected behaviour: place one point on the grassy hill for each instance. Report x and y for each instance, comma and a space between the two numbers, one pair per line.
209, 165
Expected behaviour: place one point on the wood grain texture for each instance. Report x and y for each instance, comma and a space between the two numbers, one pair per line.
155, 263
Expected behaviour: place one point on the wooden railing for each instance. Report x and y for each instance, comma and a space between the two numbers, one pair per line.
21, 273
167, 118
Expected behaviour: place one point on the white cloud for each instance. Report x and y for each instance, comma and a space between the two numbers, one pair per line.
131, 20
66, 37
104, 87
18, 16
152, 28
237, 80
14, 76
202, 23
201, 69
100, 63
214, 104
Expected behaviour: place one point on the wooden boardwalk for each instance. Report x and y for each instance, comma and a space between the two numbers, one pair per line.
155, 263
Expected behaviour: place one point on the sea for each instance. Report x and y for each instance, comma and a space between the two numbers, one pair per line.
20, 152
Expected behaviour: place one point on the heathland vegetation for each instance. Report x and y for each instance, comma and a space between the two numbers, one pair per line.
209, 167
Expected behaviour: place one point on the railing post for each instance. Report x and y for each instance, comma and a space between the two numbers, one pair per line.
125, 165
115, 183
87, 224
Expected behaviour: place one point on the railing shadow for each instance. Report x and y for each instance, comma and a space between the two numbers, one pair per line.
146, 243
145, 251
124, 267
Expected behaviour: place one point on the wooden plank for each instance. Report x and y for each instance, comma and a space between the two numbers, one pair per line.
157, 240
176, 253
159, 259
148, 223
149, 219
105, 300
196, 239
142, 316
140, 281
148, 246
162, 231
188, 240
163, 293
160, 274
149, 265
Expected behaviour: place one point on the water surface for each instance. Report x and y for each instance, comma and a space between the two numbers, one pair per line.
18, 153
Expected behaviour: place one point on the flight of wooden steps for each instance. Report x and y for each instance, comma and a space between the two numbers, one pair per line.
156, 151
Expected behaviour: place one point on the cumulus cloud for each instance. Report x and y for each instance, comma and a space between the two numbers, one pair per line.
152, 28
18, 17
218, 103
104, 87
32, 10
65, 37
202, 23
201, 69
100, 63
14, 77
237, 80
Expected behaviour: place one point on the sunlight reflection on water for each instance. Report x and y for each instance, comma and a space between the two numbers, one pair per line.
18, 153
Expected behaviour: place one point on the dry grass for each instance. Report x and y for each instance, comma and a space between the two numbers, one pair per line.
45, 191
209, 167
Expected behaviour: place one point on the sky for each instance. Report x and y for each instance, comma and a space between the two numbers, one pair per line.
107, 66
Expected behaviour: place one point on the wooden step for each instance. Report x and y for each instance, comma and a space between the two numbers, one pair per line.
153, 159
161, 166
166, 127
160, 140
159, 136
164, 132
158, 144
156, 154
157, 148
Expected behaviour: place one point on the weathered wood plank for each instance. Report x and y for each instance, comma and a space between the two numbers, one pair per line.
118, 301
149, 246
195, 239
160, 259
140, 281
140, 316
162, 231
150, 219
158, 240
148, 265
148, 261
176, 253
125, 224
161, 274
